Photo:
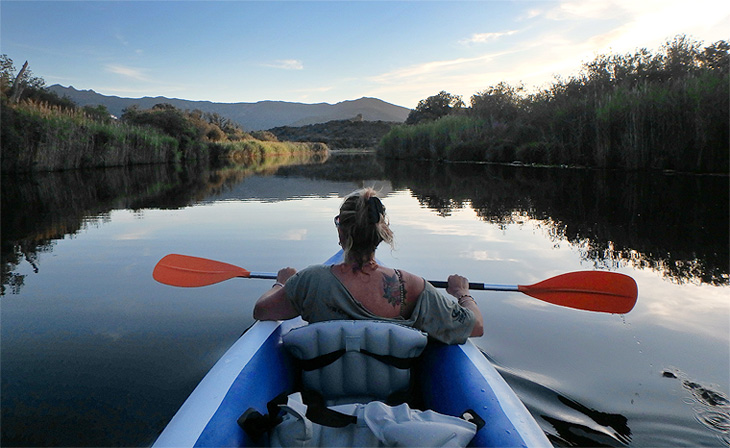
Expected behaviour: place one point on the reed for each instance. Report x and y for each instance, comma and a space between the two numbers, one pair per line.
252, 151
633, 112
42, 137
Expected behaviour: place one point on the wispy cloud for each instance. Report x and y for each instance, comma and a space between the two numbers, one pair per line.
121, 39
433, 68
286, 64
479, 38
579, 9
128, 72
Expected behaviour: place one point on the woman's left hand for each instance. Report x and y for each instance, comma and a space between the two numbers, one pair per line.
457, 285
284, 274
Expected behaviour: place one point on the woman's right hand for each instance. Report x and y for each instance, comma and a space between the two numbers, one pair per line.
457, 285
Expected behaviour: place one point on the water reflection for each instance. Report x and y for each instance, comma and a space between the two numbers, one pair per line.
39, 208
610, 427
647, 220
711, 406
614, 218
94, 339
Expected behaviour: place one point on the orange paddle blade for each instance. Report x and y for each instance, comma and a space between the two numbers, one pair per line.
187, 271
607, 292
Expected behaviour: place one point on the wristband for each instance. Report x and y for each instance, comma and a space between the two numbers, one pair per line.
278, 284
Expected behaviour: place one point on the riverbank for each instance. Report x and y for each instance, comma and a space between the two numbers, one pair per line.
40, 137
667, 111
44, 137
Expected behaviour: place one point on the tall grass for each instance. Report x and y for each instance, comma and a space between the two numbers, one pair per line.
669, 111
38, 137
679, 125
252, 151
437, 140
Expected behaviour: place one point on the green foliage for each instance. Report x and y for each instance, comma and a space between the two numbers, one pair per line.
29, 84
435, 107
45, 132
635, 111
500, 103
41, 137
254, 151
265, 136
435, 140
98, 113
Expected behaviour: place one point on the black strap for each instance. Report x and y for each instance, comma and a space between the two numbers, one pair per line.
320, 361
328, 358
399, 363
318, 412
255, 424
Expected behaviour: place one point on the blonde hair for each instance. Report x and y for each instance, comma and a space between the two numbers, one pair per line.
365, 226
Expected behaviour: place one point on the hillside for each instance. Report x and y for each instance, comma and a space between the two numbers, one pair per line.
251, 116
337, 134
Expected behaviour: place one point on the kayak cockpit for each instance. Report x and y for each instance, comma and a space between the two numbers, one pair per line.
447, 379
355, 387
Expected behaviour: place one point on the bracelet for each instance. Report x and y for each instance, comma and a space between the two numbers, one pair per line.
278, 284
464, 297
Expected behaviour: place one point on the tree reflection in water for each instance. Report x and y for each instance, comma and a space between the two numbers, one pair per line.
675, 224
39, 208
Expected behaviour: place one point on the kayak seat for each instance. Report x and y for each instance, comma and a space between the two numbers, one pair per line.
355, 361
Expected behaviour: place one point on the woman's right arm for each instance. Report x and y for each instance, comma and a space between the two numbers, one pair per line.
458, 287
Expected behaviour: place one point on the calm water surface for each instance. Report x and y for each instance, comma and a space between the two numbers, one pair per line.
96, 353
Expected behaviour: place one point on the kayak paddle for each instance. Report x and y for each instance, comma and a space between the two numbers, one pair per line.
606, 292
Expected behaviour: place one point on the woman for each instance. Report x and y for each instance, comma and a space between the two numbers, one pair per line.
359, 288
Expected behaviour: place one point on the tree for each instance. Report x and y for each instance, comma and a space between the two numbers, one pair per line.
98, 113
500, 103
435, 107
682, 56
7, 74
716, 56
16, 85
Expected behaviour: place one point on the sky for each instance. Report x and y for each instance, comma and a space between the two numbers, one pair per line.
331, 51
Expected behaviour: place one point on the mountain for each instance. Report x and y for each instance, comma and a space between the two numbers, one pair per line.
251, 116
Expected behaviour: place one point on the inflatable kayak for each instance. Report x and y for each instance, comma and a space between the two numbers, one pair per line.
273, 359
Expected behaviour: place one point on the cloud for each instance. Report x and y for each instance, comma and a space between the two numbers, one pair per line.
433, 68
295, 235
479, 38
286, 64
128, 72
583, 10
646, 23
121, 39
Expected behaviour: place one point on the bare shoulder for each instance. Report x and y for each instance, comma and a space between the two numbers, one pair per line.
414, 284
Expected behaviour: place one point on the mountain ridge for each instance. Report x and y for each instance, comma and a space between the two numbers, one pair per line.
261, 115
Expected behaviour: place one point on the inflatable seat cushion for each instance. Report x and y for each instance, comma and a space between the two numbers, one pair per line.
355, 374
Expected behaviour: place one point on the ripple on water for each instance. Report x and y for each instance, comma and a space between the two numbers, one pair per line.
565, 421
712, 408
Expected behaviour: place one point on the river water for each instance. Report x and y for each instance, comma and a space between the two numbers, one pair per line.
96, 353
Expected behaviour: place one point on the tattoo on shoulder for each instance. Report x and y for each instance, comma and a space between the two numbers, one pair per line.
391, 289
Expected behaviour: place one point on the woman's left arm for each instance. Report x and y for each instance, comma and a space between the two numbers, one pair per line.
274, 304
